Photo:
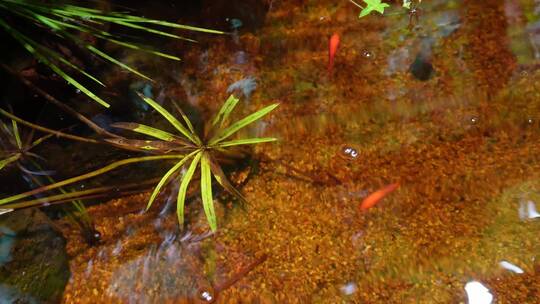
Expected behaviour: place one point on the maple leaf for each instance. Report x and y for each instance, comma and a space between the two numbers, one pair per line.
373, 5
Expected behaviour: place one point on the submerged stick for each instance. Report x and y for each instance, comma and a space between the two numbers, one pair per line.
59, 104
211, 295
86, 176
47, 130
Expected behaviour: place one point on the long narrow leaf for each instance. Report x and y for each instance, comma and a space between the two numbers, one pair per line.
9, 160
4, 211
60, 26
184, 116
224, 182
247, 141
225, 110
117, 62
166, 177
183, 188
206, 192
169, 117
150, 30
23, 41
140, 48
147, 145
87, 176
39, 141
146, 130
241, 123
173, 25
16, 133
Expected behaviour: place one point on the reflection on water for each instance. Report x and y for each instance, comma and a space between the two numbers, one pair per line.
511, 267
478, 293
527, 210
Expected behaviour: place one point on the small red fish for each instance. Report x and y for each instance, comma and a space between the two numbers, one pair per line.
376, 196
332, 49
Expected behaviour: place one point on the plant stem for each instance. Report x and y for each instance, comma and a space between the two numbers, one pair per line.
59, 104
106, 191
47, 130
87, 176
356, 4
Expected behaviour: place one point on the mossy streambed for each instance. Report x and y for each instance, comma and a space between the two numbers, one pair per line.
448, 108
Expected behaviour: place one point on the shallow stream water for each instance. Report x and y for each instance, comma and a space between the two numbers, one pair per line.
445, 104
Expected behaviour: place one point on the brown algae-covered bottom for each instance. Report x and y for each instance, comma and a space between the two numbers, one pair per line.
463, 146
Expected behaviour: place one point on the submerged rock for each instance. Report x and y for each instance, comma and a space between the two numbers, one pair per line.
34, 268
421, 68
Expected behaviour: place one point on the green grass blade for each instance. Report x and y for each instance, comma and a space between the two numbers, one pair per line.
171, 24
166, 177
6, 161
87, 176
247, 141
184, 186
39, 141
16, 133
184, 116
115, 61
150, 30
146, 130
145, 145
169, 117
241, 123
225, 110
206, 192
224, 182
21, 38
57, 27
140, 48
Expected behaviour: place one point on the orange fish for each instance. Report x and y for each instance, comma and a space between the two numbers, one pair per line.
376, 196
332, 49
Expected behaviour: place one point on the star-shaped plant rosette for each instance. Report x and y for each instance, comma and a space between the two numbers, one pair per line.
197, 151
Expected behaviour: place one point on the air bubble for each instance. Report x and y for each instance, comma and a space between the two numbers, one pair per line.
206, 295
368, 54
349, 153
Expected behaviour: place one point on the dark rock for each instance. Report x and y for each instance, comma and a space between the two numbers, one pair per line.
421, 68
33, 262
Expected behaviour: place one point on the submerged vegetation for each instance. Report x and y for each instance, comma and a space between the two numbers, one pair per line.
186, 146
66, 26
202, 151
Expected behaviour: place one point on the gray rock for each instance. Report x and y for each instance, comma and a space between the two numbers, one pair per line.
33, 262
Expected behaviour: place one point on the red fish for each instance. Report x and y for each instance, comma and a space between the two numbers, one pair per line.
332, 49
376, 196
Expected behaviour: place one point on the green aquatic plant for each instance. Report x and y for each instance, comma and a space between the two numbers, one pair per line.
199, 152
16, 151
67, 24
371, 5
184, 147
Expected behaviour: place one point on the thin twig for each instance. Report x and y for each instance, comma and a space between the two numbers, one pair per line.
59, 104
50, 131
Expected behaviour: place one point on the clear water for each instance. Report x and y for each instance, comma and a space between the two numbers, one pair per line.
446, 105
